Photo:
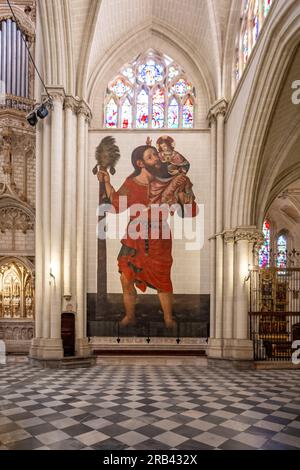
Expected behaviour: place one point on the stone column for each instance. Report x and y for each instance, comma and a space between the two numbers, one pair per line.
228, 283
242, 347
46, 215
70, 184
39, 247
212, 246
57, 180
84, 116
220, 111
49, 225
217, 114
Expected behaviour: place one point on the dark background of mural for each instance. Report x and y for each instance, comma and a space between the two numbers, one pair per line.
190, 311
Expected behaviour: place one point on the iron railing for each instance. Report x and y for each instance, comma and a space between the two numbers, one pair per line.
273, 334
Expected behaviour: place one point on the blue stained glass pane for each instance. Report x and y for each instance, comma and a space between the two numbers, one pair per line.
264, 252
181, 87
281, 251
111, 118
150, 73
173, 114
188, 114
120, 88
142, 116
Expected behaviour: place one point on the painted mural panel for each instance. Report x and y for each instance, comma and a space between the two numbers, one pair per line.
144, 211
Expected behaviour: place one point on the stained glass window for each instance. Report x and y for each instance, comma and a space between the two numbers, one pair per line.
264, 252
173, 114
150, 92
173, 72
158, 108
119, 87
111, 117
188, 113
181, 87
255, 22
253, 15
150, 73
281, 251
142, 110
267, 6
245, 47
129, 73
126, 114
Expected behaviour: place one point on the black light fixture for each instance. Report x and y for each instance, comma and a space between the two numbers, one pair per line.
32, 118
40, 112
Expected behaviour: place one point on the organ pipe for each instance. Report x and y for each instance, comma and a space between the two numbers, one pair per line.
14, 63
23, 67
3, 52
19, 51
8, 52
14, 59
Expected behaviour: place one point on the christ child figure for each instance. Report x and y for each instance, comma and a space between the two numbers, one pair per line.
171, 184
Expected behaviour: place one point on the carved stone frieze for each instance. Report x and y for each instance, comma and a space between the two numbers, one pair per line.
14, 330
248, 234
12, 218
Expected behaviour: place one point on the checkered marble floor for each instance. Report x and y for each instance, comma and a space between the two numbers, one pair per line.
149, 407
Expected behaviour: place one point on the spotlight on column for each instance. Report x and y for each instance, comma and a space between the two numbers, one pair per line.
32, 118
41, 111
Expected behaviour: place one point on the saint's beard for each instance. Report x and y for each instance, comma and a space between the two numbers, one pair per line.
154, 170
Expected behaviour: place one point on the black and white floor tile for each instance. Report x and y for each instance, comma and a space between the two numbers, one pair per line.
149, 407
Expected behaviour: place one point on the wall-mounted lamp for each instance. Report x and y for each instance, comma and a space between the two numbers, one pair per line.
51, 276
40, 112
250, 268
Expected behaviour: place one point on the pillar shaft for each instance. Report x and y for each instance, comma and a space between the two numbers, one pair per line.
213, 165
46, 207
241, 292
69, 194
39, 247
57, 179
82, 128
228, 286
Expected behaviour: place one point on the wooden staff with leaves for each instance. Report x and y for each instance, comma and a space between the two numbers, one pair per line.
107, 156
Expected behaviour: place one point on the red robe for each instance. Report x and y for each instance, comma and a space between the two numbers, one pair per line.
145, 261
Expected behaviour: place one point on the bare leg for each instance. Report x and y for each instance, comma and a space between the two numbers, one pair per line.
166, 302
129, 298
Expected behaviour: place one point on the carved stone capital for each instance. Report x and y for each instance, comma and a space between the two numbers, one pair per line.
252, 235
84, 109
71, 103
229, 236
218, 108
57, 94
